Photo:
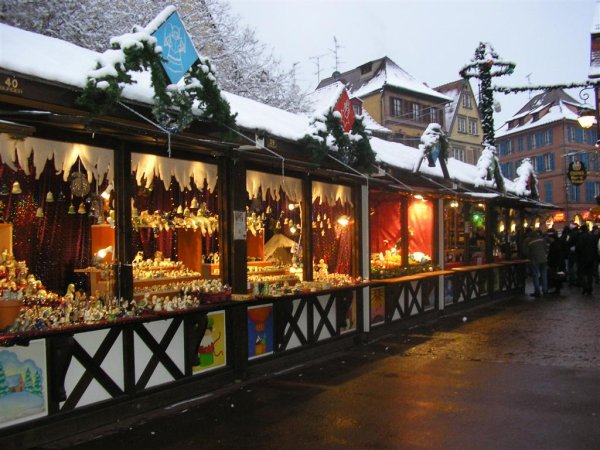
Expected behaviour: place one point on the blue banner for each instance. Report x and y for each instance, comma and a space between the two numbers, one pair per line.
178, 51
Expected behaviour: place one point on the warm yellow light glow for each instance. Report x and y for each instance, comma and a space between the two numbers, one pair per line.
586, 118
293, 229
501, 227
104, 251
343, 220
453, 204
419, 197
513, 227
293, 206
106, 194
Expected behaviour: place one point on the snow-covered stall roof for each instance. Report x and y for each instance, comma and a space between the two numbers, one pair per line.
62, 62
323, 98
405, 157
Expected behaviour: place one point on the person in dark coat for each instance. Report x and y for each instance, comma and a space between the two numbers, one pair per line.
538, 262
586, 253
556, 261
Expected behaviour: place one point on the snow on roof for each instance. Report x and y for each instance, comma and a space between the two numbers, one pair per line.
59, 61
405, 157
62, 62
453, 91
390, 74
325, 97
557, 112
372, 125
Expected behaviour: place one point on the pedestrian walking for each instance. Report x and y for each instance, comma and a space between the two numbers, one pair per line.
586, 252
538, 262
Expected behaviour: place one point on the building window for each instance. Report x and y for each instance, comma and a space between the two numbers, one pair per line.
511, 147
473, 127
592, 190
434, 115
366, 68
459, 153
548, 192
357, 110
573, 193
520, 144
466, 101
535, 117
396, 107
549, 136
462, 124
549, 162
416, 111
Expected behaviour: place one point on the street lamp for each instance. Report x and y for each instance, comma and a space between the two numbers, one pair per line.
587, 117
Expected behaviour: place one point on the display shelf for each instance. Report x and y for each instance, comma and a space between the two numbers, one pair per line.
164, 280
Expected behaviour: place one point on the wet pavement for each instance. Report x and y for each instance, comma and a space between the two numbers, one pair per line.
513, 374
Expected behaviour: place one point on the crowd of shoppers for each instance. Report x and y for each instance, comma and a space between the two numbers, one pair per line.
571, 256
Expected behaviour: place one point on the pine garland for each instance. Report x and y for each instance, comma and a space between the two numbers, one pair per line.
353, 148
172, 104
485, 66
552, 87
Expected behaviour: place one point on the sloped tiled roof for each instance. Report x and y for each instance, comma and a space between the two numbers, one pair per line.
385, 72
557, 104
452, 90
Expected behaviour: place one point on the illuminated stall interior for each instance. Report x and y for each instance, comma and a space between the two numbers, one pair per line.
175, 221
50, 197
454, 233
385, 225
332, 229
389, 241
475, 232
420, 230
273, 232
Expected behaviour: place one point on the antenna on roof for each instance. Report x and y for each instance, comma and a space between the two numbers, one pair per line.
317, 60
335, 51
528, 76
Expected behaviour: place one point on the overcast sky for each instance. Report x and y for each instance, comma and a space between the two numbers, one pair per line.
549, 40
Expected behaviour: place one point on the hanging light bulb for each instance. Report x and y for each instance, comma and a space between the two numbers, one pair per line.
81, 210
16, 188
39, 213
71, 209
343, 220
49, 197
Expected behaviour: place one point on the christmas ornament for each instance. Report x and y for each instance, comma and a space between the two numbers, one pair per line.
16, 188
49, 197
80, 186
39, 213
81, 210
71, 209
194, 203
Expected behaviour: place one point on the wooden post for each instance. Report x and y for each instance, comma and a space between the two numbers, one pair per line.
123, 268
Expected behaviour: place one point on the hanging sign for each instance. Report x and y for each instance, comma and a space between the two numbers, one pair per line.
344, 107
576, 172
178, 51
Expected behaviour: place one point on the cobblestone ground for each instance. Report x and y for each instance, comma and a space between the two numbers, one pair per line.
514, 374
